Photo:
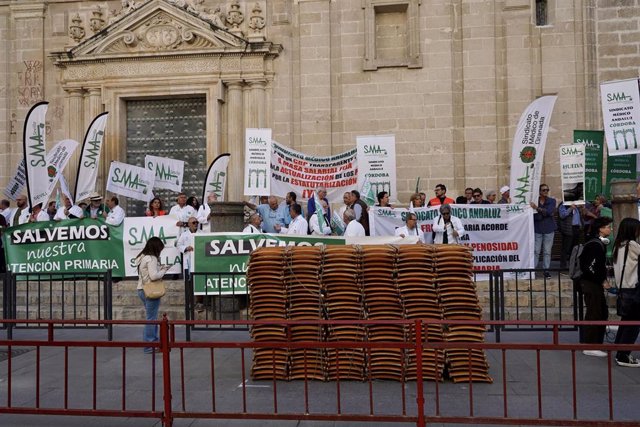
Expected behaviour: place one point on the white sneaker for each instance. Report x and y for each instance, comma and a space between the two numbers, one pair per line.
629, 362
594, 353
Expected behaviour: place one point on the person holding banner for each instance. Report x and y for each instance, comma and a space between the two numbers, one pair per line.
447, 228
150, 269
410, 228
320, 228
544, 228
185, 245
204, 212
38, 214
298, 225
311, 204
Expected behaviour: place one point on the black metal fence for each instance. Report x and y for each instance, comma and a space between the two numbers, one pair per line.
219, 301
58, 296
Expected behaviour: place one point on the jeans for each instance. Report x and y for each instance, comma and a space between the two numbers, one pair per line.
544, 242
151, 307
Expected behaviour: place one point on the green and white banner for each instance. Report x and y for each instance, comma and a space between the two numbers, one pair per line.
229, 253
527, 152
257, 157
593, 172
216, 180
169, 172
572, 167
88, 245
34, 145
620, 168
90, 158
64, 247
130, 181
377, 164
501, 236
621, 116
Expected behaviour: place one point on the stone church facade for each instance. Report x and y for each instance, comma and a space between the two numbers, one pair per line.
184, 78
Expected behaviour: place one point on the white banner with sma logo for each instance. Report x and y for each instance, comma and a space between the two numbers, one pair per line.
377, 163
169, 172
621, 116
136, 232
130, 181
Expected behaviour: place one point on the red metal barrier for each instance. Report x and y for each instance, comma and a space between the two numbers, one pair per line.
198, 381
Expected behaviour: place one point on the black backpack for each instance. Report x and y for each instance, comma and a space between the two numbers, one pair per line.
575, 272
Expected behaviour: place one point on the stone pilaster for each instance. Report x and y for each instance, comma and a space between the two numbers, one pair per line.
75, 126
235, 141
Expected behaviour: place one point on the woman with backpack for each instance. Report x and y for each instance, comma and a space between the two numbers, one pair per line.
594, 282
626, 250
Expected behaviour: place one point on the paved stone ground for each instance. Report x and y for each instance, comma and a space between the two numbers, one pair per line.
521, 384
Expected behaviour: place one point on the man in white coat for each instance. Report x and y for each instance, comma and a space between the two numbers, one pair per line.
204, 212
298, 224
354, 228
314, 222
447, 228
185, 245
255, 224
116, 213
182, 212
410, 228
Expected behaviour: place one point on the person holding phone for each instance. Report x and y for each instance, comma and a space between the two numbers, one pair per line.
150, 269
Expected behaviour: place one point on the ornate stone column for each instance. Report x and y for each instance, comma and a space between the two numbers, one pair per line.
256, 107
76, 128
235, 140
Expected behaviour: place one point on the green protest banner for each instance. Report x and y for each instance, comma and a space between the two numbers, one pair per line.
229, 253
594, 142
620, 168
72, 245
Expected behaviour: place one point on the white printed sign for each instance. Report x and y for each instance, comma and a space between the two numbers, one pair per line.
501, 236
257, 158
136, 232
169, 172
377, 163
130, 181
292, 170
572, 172
621, 116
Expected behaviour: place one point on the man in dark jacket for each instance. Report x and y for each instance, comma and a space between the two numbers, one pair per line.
594, 282
361, 210
570, 223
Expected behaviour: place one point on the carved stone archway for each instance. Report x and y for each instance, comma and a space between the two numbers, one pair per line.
161, 48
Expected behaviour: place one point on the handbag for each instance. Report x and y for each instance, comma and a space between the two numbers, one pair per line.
628, 300
154, 289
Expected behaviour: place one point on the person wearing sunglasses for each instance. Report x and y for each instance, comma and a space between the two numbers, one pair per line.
544, 228
447, 229
477, 198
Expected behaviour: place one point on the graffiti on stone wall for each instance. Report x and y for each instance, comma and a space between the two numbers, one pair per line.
30, 83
